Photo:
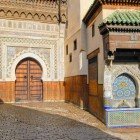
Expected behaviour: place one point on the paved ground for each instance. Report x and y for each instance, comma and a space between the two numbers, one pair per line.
55, 121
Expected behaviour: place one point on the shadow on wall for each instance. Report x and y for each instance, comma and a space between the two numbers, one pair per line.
25, 123
1, 101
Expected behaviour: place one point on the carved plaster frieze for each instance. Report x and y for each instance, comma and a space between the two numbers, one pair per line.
29, 29
132, 69
14, 52
123, 103
29, 41
47, 12
47, 50
20, 39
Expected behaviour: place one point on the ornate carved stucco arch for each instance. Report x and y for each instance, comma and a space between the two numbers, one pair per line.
31, 55
112, 73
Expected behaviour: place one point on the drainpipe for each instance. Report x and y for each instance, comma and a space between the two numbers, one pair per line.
59, 11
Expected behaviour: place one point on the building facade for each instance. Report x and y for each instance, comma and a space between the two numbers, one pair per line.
75, 53
31, 46
108, 50
85, 53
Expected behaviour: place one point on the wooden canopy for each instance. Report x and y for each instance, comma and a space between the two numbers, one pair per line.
121, 21
123, 2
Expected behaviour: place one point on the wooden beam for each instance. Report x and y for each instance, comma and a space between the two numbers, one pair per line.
93, 54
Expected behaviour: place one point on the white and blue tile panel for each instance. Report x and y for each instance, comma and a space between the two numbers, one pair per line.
124, 87
124, 117
123, 90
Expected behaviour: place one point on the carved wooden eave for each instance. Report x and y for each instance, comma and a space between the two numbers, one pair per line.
120, 30
120, 2
113, 38
115, 28
121, 21
38, 10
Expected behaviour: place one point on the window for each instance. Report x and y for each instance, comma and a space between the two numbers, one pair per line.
75, 44
70, 58
67, 50
93, 30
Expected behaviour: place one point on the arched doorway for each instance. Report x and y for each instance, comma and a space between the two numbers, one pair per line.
28, 85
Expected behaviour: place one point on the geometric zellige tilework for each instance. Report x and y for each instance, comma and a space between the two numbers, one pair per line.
124, 87
125, 117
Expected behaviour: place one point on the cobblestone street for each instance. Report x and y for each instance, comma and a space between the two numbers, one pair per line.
55, 121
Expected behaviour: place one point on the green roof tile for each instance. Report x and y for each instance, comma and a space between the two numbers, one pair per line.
123, 18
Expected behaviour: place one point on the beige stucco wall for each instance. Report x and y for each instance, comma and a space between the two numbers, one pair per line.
73, 17
107, 12
76, 30
76, 12
72, 68
96, 42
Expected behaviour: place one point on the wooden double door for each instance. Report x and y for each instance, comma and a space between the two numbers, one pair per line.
28, 86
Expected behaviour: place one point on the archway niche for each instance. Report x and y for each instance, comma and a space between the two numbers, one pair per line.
124, 91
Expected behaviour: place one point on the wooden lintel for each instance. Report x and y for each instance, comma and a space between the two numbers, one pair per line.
93, 54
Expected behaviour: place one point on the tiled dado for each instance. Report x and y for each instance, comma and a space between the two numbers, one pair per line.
121, 95
125, 117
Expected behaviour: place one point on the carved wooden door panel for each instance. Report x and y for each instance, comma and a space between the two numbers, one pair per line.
28, 81
21, 81
93, 76
35, 83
